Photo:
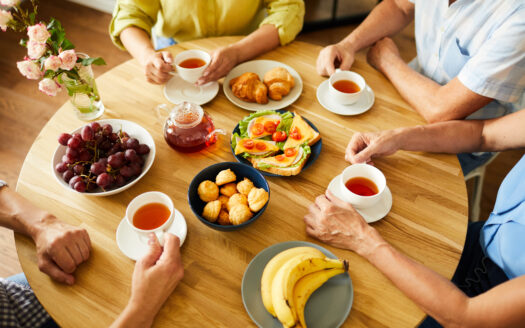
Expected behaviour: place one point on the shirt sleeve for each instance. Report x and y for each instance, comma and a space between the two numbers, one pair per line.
139, 13
497, 70
287, 16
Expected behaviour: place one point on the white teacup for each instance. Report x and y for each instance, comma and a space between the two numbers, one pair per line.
148, 198
343, 97
364, 171
191, 75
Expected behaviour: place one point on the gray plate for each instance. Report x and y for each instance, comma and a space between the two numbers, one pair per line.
329, 306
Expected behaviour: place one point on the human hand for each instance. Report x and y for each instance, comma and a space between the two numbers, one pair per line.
363, 146
158, 66
337, 223
332, 56
382, 53
60, 248
222, 61
156, 275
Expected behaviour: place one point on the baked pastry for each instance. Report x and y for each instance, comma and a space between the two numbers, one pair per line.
224, 177
224, 200
257, 198
224, 218
229, 189
208, 191
236, 199
211, 211
248, 87
245, 186
240, 213
279, 82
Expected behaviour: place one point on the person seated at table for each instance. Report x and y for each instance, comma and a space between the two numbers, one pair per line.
488, 287
271, 22
61, 248
470, 58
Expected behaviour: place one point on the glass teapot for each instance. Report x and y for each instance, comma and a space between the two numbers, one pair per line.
187, 127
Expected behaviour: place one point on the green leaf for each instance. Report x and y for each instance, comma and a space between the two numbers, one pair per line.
90, 61
54, 25
23, 42
32, 18
49, 74
67, 45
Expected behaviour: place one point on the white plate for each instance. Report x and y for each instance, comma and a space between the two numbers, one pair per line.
134, 247
260, 67
177, 91
135, 131
362, 105
372, 213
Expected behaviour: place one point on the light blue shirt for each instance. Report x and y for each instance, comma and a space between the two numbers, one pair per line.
482, 42
502, 237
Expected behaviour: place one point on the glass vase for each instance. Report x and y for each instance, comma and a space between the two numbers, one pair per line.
83, 93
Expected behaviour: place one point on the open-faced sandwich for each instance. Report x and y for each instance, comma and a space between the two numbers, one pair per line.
275, 142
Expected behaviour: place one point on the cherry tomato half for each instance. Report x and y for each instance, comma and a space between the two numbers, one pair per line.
248, 144
279, 136
280, 158
257, 129
270, 127
289, 152
260, 146
295, 134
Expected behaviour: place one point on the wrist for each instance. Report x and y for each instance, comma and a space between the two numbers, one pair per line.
237, 53
145, 55
136, 313
371, 242
348, 46
40, 225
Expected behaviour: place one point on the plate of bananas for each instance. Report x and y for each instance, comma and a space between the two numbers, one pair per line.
297, 284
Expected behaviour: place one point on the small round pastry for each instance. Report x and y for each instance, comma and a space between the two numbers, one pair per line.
257, 198
212, 210
245, 186
240, 213
224, 200
208, 191
236, 199
224, 218
225, 176
229, 189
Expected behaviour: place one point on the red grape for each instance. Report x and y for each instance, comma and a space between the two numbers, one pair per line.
64, 138
97, 168
107, 129
67, 159
78, 169
95, 126
126, 171
119, 180
74, 142
61, 167
74, 180
132, 144
71, 152
80, 186
131, 155
87, 133
115, 161
136, 169
104, 180
84, 155
113, 137
143, 149
68, 175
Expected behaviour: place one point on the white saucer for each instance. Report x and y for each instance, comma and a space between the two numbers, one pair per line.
372, 213
177, 90
133, 247
362, 105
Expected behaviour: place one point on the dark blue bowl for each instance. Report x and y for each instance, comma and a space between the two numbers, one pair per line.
316, 149
241, 171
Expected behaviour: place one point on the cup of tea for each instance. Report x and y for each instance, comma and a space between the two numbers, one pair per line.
346, 87
190, 64
362, 185
150, 212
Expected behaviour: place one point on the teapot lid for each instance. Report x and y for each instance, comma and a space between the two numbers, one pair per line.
187, 115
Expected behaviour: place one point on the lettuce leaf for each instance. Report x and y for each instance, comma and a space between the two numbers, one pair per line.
306, 151
286, 121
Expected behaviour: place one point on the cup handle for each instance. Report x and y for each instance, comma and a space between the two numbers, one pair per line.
160, 237
211, 138
159, 111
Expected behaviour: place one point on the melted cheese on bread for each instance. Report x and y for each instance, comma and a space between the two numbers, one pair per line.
262, 120
282, 160
270, 147
306, 131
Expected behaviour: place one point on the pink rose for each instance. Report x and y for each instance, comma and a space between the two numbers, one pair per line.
29, 69
5, 17
38, 33
9, 3
69, 59
52, 63
49, 87
35, 49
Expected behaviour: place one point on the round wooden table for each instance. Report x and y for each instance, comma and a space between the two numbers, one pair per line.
427, 222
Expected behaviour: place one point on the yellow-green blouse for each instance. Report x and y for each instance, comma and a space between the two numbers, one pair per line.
185, 20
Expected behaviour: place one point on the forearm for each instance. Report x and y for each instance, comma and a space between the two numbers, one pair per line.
19, 215
386, 19
431, 292
138, 43
133, 317
258, 42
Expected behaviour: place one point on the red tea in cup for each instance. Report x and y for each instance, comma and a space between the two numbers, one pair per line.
151, 216
192, 63
346, 86
362, 186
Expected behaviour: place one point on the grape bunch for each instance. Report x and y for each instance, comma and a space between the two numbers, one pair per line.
99, 157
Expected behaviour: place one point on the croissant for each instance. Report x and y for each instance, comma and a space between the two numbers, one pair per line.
279, 82
248, 87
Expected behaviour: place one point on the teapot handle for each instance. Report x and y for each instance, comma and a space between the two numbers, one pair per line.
211, 138
159, 111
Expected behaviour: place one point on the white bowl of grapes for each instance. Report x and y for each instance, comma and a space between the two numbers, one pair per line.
104, 157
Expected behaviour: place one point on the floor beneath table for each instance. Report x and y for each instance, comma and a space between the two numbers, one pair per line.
24, 110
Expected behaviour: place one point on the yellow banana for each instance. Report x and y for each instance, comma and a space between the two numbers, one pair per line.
286, 278
307, 285
274, 265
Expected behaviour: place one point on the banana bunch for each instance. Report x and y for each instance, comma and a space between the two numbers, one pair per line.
289, 279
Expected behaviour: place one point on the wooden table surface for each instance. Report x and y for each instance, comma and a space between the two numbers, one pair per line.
427, 222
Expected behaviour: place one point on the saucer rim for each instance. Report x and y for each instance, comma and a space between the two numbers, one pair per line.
205, 100
182, 237
319, 97
363, 211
